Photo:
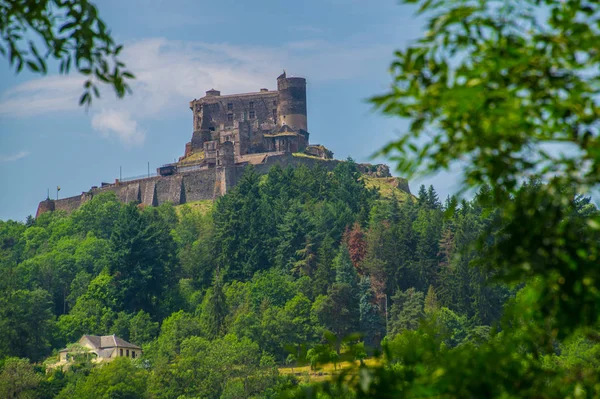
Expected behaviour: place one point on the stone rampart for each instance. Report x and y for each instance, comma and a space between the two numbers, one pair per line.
197, 185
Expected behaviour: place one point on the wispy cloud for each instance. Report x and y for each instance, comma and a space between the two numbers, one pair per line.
14, 157
120, 125
170, 73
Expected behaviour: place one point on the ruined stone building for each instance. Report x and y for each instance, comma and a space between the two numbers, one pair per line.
229, 132
256, 124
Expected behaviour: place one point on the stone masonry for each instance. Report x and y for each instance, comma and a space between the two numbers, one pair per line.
229, 132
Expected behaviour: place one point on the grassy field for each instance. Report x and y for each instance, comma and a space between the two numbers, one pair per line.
202, 207
323, 371
387, 186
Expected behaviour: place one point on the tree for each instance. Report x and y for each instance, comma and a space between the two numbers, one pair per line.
431, 302
406, 311
143, 257
208, 369
94, 311
214, 310
490, 87
119, 378
306, 264
26, 323
142, 329
241, 234
372, 324
345, 273
173, 331
357, 246
291, 361
338, 311
18, 379
70, 32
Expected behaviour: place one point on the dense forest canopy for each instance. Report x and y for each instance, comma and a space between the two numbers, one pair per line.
285, 264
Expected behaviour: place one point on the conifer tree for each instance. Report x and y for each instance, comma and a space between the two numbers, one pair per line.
431, 302
406, 311
345, 273
357, 246
215, 310
372, 324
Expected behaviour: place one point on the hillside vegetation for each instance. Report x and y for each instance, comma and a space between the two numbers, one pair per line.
299, 267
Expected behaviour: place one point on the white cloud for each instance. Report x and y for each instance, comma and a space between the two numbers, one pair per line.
171, 73
14, 157
43, 95
117, 123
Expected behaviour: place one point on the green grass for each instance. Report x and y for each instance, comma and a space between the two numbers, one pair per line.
324, 371
203, 207
387, 188
303, 155
193, 158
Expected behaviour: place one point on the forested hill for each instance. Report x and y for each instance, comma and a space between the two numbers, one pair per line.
219, 299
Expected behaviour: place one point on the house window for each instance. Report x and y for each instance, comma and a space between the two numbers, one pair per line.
133, 354
121, 352
229, 106
229, 117
252, 114
251, 105
127, 353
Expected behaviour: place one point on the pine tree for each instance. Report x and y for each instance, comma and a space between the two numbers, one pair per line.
345, 273
406, 311
325, 273
372, 324
306, 264
433, 201
215, 310
357, 246
431, 302
422, 196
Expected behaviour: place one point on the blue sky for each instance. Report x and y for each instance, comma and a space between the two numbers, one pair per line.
178, 49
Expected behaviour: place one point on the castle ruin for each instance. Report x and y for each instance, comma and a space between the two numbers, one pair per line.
263, 128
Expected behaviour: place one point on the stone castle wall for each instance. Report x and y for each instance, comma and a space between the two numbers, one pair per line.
197, 185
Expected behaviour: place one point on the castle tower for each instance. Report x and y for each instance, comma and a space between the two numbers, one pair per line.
291, 107
225, 154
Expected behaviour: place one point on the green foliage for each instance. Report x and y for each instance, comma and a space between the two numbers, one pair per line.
211, 369
26, 324
18, 379
338, 311
300, 262
120, 378
214, 310
69, 32
143, 257
406, 312
493, 87
372, 324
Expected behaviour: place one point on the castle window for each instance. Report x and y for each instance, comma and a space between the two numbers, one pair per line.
229, 117
275, 114
229, 106
252, 115
251, 105
274, 102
